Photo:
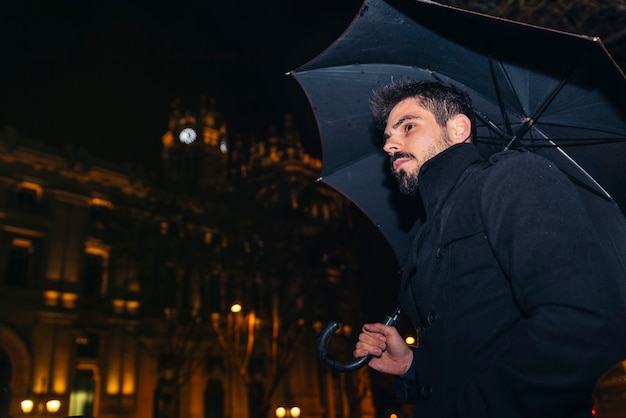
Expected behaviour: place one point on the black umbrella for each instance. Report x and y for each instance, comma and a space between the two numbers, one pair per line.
558, 94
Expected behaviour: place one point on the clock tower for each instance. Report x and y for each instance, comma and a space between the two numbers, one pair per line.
195, 148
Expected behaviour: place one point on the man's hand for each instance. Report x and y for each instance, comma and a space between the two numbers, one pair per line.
390, 354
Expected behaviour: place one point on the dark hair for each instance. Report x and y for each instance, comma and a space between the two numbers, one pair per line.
442, 99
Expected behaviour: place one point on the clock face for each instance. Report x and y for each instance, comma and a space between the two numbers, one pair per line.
187, 135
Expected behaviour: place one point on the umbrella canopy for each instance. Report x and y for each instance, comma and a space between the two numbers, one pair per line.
558, 94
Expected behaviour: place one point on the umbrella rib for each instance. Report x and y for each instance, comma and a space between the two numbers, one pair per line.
499, 131
563, 142
529, 121
575, 164
505, 115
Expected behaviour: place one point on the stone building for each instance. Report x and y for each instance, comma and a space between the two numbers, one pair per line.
118, 286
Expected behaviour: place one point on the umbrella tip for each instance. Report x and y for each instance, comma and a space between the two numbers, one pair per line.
318, 179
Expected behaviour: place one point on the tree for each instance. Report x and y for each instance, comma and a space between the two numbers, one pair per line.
605, 19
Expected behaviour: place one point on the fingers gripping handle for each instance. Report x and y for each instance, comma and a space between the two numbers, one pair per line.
350, 365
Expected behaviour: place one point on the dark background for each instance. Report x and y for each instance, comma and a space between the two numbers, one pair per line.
102, 74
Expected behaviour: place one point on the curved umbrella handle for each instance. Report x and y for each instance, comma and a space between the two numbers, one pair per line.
329, 360
350, 365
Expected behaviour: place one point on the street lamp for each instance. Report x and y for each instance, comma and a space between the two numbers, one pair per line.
282, 412
52, 406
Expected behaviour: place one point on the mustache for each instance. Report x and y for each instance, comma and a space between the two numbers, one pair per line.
399, 155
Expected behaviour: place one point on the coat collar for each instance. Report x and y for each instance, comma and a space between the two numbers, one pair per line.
440, 175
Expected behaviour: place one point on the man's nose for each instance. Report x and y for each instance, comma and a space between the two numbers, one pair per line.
391, 145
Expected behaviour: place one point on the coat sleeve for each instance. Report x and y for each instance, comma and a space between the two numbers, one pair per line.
573, 308
405, 386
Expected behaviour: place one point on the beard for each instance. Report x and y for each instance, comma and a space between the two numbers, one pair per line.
408, 182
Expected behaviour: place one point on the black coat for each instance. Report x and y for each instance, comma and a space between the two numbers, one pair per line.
516, 313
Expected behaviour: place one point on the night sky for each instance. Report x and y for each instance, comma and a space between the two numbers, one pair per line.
102, 74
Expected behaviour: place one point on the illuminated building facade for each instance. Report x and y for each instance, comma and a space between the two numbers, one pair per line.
116, 285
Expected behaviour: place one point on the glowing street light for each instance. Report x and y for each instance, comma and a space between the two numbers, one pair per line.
52, 406
282, 412
27, 406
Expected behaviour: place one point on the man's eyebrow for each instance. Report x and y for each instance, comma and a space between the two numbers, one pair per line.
398, 123
402, 120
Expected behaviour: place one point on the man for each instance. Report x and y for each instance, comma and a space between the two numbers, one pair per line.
516, 312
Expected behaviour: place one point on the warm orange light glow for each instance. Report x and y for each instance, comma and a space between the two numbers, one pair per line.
113, 373
69, 300
163, 227
128, 373
282, 412
118, 305
27, 406
31, 186
236, 308
96, 201
51, 297
134, 286
168, 140
410, 340
128, 385
132, 306
22, 243
53, 406
317, 326
59, 382
94, 249
113, 387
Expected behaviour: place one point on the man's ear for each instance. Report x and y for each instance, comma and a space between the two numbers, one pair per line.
459, 128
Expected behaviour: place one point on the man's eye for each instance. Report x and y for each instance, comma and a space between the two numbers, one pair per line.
408, 127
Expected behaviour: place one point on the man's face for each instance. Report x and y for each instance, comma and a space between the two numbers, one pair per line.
412, 137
